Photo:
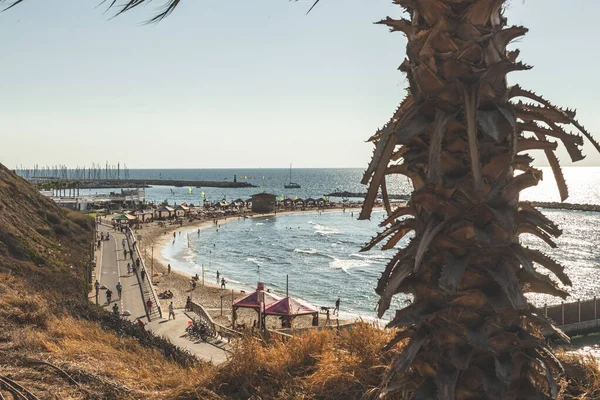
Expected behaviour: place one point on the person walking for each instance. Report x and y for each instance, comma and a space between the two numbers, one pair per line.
115, 309
123, 243
171, 311
143, 274
222, 283
328, 318
169, 269
218, 275
149, 305
140, 324
188, 304
125, 254
119, 289
128, 268
108, 296
97, 288
337, 307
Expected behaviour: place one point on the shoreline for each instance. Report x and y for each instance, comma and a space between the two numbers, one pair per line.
211, 296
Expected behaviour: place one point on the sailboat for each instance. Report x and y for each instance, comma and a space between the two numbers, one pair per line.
291, 185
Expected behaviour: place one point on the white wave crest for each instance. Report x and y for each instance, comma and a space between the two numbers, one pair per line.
309, 251
254, 261
346, 265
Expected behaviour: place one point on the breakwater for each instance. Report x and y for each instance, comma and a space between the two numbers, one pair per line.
540, 204
145, 183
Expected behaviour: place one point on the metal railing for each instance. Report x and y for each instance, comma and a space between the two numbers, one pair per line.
156, 302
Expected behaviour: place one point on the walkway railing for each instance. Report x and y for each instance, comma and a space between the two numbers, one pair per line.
152, 291
216, 329
575, 318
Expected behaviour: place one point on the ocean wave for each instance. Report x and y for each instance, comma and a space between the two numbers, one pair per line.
371, 257
260, 223
346, 265
254, 261
314, 252
310, 251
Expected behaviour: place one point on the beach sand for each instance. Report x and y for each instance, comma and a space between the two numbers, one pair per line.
211, 296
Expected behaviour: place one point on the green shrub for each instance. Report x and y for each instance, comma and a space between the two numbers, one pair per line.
44, 232
61, 230
53, 218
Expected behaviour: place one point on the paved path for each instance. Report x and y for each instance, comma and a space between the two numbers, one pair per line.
112, 268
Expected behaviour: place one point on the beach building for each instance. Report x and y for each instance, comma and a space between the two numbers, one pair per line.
263, 203
165, 212
182, 210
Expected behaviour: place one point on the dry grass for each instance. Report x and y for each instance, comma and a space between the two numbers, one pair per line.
582, 380
316, 365
37, 332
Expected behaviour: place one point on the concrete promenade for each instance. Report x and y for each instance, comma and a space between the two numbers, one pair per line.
112, 268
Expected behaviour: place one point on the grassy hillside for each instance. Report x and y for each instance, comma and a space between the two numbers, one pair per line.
45, 316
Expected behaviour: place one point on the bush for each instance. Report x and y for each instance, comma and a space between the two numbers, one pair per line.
61, 230
82, 220
53, 218
44, 232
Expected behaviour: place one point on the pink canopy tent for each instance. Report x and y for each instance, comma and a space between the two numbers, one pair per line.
251, 300
290, 307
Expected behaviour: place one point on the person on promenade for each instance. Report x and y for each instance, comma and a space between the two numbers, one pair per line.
337, 307
101, 235
123, 243
193, 284
149, 305
222, 283
328, 318
140, 323
119, 289
108, 296
97, 288
128, 268
131, 253
137, 262
115, 309
143, 274
188, 304
218, 275
169, 269
171, 311
125, 254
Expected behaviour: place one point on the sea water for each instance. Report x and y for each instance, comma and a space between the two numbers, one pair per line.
320, 252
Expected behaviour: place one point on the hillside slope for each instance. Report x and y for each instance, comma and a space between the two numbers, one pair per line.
45, 316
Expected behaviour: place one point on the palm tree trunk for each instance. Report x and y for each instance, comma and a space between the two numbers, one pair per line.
459, 137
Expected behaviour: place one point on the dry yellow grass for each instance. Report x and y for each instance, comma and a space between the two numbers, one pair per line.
316, 365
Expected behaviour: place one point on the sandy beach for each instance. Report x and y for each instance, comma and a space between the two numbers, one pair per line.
211, 296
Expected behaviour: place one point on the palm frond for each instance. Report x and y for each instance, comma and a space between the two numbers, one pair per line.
11, 3
166, 10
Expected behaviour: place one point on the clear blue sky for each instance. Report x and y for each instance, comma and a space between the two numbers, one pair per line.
241, 83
